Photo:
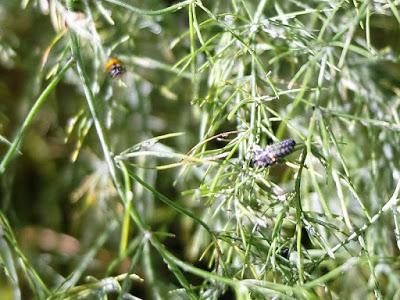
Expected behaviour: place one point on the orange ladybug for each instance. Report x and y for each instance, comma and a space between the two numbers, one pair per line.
114, 67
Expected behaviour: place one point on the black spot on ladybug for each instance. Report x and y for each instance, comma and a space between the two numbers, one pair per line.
116, 71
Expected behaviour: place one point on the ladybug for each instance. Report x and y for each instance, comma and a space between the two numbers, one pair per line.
114, 67
270, 155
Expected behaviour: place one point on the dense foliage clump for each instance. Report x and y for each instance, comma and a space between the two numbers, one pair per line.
136, 157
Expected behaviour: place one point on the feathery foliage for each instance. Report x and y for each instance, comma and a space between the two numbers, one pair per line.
143, 184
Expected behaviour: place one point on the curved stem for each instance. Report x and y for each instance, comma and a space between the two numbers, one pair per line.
169, 9
12, 151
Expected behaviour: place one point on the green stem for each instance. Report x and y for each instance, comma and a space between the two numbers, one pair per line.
299, 216
163, 11
99, 130
90, 101
12, 151
128, 205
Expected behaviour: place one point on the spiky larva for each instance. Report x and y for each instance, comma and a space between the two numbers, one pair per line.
271, 154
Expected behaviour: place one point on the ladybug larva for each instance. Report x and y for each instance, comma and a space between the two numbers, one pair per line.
271, 154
